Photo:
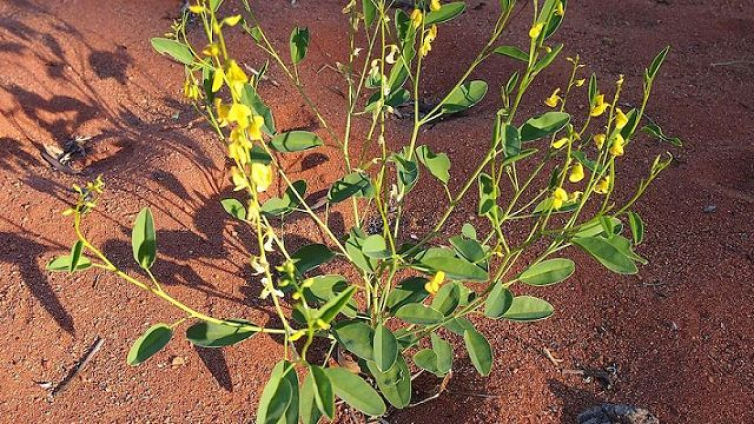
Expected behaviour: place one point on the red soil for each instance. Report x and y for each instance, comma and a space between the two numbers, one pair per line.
681, 334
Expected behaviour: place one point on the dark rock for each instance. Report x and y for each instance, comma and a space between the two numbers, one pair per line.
616, 414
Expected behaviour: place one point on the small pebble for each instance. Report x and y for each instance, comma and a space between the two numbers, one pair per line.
710, 209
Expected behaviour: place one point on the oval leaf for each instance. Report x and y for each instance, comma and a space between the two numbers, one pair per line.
465, 96
174, 49
299, 44
395, 383
385, 348
548, 272
445, 13
419, 314
528, 308
151, 342
513, 53
144, 239
479, 350
354, 184
356, 337
498, 301
295, 141
607, 254
208, 334
544, 125
356, 392
234, 208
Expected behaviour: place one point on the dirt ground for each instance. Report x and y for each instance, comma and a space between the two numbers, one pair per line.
678, 339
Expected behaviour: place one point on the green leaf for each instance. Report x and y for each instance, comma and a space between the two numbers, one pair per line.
555, 21
63, 264
209, 334
311, 256
259, 155
469, 231
444, 352
527, 309
375, 247
487, 194
354, 184
278, 394
595, 228
408, 172
331, 309
548, 272
323, 391
459, 326
426, 359
410, 290
280, 206
457, 269
607, 254
356, 337
547, 59
370, 11
447, 12
354, 246
479, 350
309, 410
415, 313
174, 49
326, 287
151, 342
465, 96
356, 392
144, 239
437, 164
295, 141
395, 383
234, 208
299, 44
75, 256
385, 348
447, 299
637, 227
654, 67
498, 301
544, 125
511, 141
513, 53
656, 132
471, 250
250, 97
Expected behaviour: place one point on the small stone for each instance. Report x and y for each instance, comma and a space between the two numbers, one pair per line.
178, 361
710, 209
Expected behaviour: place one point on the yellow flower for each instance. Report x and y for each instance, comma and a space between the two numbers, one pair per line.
298, 334
435, 5
428, 39
616, 149
620, 119
255, 129
261, 176
236, 76
553, 100
232, 20
580, 82
217, 80
433, 286
619, 83
560, 11
390, 58
536, 30
197, 8
239, 113
322, 324
560, 143
599, 106
603, 186
190, 89
238, 178
416, 18
577, 173
599, 140
575, 196
222, 112
558, 197
211, 50
238, 152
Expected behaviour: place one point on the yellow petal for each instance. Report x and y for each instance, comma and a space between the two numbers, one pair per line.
255, 129
620, 119
261, 176
435, 5
232, 20
416, 18
560, 143
218, 80
577, 173
196, 8
553, 100
599, 140
536, 30
616, 149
